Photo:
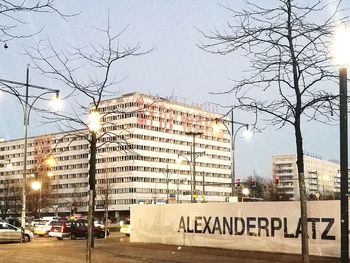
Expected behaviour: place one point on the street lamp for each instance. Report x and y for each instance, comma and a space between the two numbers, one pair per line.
247, 135
193, 159
178, 187
167, 175
191, 162
342, 59
178, 160
56, 103
36, 185
94, 125
27, 107
94, 121
49, 162
246, 192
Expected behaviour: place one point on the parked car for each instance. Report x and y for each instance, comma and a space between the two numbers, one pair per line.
73, 229
43, 227
11, 233
35, 222
44, 219
99, 223
125, 227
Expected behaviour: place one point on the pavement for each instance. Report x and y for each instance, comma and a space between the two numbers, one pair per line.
117, 249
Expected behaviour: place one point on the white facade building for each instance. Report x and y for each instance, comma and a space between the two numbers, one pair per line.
321, 176
142, 139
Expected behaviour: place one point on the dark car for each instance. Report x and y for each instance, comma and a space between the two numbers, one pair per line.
73, 229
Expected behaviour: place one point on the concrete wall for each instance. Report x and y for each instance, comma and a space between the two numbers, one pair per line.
256, 226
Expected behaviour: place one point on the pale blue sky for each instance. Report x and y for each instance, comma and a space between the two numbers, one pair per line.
177, 67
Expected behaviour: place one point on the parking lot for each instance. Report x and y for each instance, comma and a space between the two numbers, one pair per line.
118, 249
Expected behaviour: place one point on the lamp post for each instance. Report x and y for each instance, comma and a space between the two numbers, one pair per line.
178, 187
167, 183
344, 165
179, 161
342, 59
27, 107
194, 155
344, 188
193, 158
233, 134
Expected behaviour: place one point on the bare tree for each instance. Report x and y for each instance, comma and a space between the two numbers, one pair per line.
287, 45
104, 190
271, 193
5, 198
10, 197
42, 198
13, 21
258, 187
88, 73
32, 201
78, 200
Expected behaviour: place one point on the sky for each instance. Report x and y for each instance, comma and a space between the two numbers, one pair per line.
176, 67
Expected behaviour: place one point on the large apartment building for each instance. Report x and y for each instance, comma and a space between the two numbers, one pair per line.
321, 176
143, 157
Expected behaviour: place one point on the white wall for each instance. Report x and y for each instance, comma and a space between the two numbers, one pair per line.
272, 226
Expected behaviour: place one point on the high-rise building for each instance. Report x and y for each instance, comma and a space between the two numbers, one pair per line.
321, 176
145, 155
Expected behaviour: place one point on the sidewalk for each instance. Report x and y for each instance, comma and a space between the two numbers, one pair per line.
117, 249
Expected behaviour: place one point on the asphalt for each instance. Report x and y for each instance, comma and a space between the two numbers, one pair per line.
118, 249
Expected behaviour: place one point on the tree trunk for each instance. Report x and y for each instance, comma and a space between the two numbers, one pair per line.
106, 219
298, 138
302, 192
90, 229
92, 183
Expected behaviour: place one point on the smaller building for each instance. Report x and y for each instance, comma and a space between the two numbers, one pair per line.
321, 176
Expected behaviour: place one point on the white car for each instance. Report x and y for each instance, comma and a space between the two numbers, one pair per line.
35, 222
99, 223
10, 233
43, 227
125, 227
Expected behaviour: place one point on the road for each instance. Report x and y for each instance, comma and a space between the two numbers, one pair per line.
118, 249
